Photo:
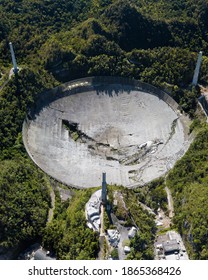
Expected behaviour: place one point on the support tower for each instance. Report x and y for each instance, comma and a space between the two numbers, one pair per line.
104, 190
196, 72
15, 68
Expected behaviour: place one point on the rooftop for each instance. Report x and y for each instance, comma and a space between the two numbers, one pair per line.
170, 246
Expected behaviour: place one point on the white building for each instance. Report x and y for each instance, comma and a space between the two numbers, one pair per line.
92, 210
132, 232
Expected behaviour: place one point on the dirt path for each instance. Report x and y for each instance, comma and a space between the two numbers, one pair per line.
50, 213
170, 202
164, 220
101, 254
102, 232
7, 80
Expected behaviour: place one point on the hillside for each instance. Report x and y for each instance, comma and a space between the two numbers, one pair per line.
57, 41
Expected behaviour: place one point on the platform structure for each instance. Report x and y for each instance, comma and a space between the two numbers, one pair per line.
131, 130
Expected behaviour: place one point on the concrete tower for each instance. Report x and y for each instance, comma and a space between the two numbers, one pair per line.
15, 68
104, 189
196, 72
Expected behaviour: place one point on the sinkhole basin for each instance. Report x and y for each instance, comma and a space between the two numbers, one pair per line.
132, 131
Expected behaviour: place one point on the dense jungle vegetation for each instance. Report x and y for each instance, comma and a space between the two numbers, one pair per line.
56, 41
67, 235
188, 182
